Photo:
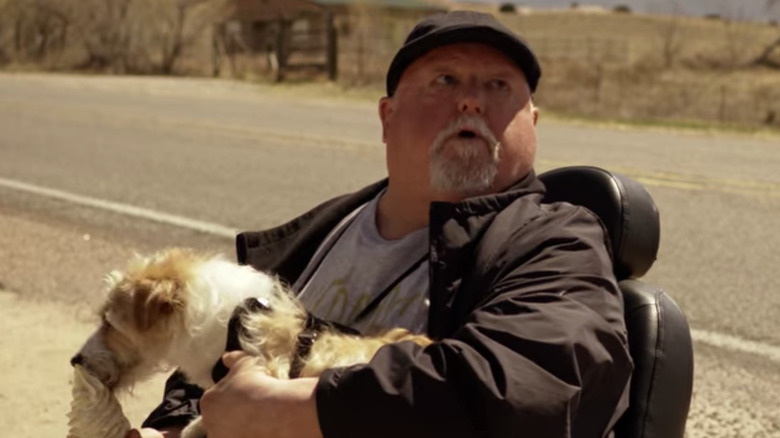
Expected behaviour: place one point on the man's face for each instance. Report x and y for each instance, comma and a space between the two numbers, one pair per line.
461, 123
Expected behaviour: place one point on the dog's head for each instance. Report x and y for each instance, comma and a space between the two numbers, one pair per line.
144, 310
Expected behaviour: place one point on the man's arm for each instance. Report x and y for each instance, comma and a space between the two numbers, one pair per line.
544, 354
153, 433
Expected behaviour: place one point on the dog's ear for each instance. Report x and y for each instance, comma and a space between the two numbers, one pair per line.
157, 301
112, 279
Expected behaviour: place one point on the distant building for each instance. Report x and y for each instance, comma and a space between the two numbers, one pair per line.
310, 29
399, 8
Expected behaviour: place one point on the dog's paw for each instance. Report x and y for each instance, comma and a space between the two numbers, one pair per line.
194, 430
401, 334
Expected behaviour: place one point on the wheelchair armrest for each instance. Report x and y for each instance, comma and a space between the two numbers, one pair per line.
661, 347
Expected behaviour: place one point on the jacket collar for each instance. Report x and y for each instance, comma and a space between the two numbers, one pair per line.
286, 250
478, 205
455, 230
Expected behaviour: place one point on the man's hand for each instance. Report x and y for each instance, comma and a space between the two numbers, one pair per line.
153, 433
248, 403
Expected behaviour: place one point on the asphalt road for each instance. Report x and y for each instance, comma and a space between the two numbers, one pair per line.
82, 158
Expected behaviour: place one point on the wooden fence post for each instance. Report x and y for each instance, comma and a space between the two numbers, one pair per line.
331, 47
280, 51
216, 58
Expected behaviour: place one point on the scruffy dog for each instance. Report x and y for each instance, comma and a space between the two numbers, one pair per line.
172, 309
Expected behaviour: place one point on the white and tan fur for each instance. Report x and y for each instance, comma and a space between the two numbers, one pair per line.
171, 310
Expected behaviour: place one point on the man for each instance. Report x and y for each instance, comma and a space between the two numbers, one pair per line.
518, 296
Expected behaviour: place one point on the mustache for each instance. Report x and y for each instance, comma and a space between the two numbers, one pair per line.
465, 122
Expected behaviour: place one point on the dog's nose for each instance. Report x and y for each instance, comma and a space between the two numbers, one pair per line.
78, 359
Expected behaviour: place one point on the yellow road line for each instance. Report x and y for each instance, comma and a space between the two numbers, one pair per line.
122, 116
118, 117
688, 182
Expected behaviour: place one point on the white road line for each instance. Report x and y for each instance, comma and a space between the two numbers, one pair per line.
733, 343
129, 210
719, 340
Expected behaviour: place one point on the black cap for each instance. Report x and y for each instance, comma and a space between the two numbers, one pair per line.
463, 27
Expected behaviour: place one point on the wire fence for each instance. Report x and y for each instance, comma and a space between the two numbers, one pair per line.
604, 74
736, 97
600, 77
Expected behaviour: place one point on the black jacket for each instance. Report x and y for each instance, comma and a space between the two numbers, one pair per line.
525, 309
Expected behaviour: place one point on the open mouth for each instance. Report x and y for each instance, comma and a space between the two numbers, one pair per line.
465, 133
106, 378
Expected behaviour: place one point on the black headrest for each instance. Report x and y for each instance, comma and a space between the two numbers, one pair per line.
623, 205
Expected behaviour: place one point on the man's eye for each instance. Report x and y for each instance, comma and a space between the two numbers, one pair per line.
445, 79
499, 84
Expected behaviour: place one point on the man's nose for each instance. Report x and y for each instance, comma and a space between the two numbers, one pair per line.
472, 101
78, 359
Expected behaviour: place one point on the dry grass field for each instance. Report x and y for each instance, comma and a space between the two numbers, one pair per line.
597, 64
630, 67
617, 66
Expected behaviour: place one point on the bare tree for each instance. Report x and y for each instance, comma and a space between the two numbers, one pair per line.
671, 40
106, 32
34, 29
180, 23
738, 35
670, 33
142, 36
766, 56
3, 34
118, 36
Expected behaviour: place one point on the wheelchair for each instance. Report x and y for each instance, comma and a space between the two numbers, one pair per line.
658, 333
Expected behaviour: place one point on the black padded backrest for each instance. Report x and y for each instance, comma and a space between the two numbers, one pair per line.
622, 204
658, 334
662, 383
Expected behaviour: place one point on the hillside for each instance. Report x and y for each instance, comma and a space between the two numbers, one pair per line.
753, 10
650, 67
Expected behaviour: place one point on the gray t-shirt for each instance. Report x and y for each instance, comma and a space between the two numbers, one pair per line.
355, 265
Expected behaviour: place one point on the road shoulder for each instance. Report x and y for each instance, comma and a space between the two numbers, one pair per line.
37, 339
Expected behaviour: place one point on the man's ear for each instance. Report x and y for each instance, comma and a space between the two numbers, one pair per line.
385, 111
535, 113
